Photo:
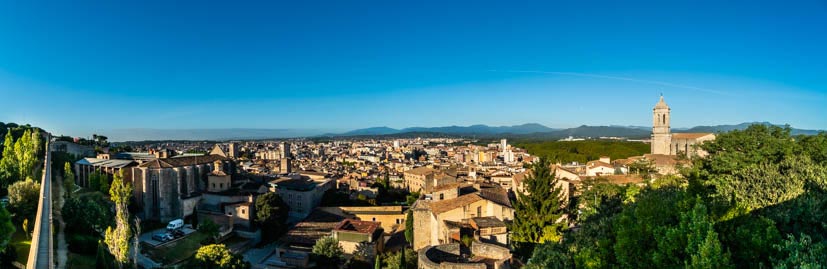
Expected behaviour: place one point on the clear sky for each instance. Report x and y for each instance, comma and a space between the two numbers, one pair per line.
75, 67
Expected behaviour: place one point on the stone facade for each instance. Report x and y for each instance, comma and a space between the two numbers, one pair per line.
664, 142
661, 136
162, 185
455, 256
434, 220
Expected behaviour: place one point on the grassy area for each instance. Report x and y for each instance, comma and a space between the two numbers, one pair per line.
21, 245
80, 261
179, 250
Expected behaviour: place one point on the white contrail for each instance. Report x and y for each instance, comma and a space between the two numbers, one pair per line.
653, 82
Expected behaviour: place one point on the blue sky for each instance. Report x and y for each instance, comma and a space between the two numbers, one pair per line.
80, 67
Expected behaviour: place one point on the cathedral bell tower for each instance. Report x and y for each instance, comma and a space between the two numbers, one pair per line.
661, 136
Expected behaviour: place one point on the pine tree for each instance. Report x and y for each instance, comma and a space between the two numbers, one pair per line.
537, 212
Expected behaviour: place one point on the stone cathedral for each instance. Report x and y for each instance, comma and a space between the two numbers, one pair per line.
664, 142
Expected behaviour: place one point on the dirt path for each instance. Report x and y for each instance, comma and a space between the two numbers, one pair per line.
62, 247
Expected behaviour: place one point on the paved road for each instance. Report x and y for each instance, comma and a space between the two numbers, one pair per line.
41, 254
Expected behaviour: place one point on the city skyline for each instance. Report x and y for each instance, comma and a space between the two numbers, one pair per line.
338, 67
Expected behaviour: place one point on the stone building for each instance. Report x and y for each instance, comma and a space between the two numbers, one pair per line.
664, 142
425, 179
167, 189
351, 233
456, 256
436, 222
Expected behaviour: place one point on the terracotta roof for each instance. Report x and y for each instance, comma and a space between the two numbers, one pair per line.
439, 207
497, 195
421, 171
317, 225
689, 135
359, 226
180, 162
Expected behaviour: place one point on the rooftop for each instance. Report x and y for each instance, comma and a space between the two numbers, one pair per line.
359, 226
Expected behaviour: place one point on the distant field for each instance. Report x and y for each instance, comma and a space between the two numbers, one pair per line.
583, 151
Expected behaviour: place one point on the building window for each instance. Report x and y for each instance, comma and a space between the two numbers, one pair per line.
441, 196
479, 211
243, 211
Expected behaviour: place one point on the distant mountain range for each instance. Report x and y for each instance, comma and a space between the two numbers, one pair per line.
478, 129
538, 131
523, 131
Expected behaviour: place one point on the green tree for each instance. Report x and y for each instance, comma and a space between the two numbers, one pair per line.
801, 253
328, 251
549, 255
26, 150
537, 214
6, 227
117, 238
87, 214
409, 229
702, 246
95, 180
271, 214
209, 228
23, 198
405, 258
69, 186
218, 256
8, 164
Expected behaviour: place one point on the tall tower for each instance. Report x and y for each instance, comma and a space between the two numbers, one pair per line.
661, 136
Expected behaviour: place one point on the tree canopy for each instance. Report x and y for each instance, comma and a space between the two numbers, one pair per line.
758, 200
218, 256
271, 214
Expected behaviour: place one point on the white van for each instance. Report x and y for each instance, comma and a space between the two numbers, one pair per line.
175, 225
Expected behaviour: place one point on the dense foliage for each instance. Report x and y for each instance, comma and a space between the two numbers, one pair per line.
20, 155
218, 256
327, 252
86, 217
393, 260
759, 200
584, 151
271, 215
23, 199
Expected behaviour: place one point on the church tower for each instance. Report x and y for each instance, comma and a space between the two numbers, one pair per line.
661, 136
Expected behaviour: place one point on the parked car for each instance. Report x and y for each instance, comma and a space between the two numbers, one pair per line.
177, 233
162, 237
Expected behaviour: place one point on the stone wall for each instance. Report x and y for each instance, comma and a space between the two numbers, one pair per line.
447, 256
